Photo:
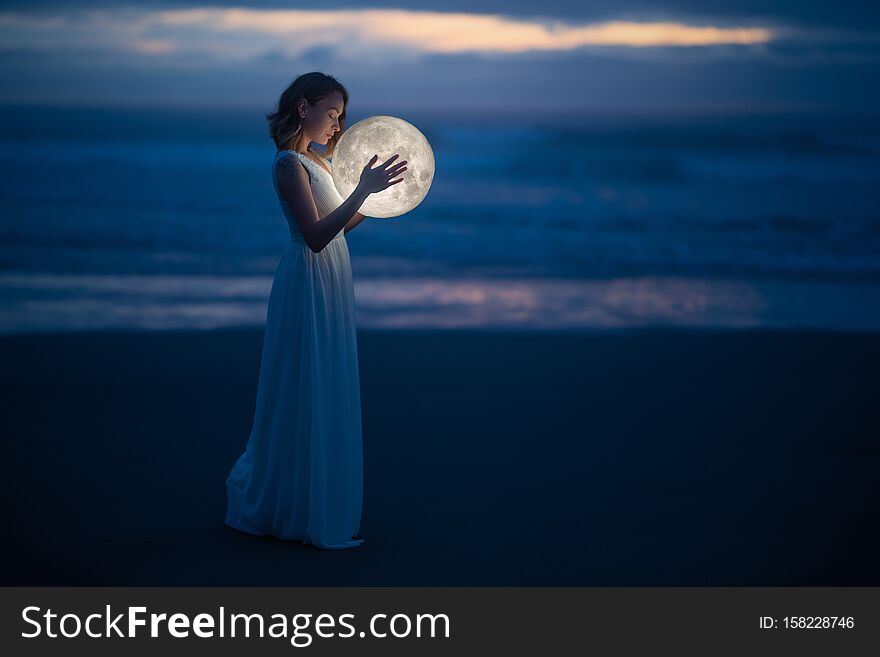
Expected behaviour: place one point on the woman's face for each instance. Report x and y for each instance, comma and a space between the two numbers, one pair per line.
322, 119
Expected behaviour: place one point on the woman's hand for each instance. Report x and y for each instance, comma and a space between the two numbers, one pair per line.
375, 180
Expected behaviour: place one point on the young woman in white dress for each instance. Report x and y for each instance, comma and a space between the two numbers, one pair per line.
300, 477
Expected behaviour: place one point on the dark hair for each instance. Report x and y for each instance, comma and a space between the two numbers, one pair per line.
284, 122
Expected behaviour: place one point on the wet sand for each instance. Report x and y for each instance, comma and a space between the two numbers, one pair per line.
643, 457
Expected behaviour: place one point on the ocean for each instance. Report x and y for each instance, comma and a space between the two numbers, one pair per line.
166, 218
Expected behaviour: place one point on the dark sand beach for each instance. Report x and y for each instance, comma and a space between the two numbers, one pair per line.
650, 457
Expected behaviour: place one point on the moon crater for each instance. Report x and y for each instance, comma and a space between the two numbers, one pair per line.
384, 136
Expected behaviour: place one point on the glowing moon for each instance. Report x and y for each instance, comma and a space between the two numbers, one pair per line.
385, 136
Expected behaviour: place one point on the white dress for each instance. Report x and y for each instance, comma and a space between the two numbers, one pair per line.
300, 477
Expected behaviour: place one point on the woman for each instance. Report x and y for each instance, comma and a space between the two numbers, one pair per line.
301, 475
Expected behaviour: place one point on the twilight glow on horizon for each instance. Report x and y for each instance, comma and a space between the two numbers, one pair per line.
158, 32
481, 55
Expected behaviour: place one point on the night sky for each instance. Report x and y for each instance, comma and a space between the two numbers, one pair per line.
488, 56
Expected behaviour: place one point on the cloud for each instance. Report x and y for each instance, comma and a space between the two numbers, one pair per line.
457, 32
242, 34
855, 15
394, 58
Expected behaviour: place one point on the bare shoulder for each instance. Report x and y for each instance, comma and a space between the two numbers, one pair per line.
294, 185
290, 164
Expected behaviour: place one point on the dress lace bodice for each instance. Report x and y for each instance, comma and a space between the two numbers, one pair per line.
326, 196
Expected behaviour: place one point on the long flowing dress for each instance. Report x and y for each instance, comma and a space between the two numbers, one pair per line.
301, 475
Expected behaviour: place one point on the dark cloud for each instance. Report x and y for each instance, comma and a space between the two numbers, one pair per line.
318, 56
858, 15
803, 53
465, 83
835, 72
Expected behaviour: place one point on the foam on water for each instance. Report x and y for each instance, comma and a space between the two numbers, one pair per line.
183, 202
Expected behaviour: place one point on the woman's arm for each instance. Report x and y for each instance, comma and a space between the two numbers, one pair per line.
293, 183
354, 221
